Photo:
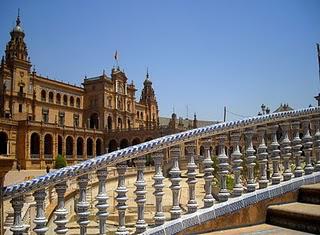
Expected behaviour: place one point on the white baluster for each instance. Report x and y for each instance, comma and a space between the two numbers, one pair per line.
40, 219
18, 227
307, 147
316, 142
251, 184
223, 194
102, 199
236, 163
140, 192
262, 158
61, 212
175, 182
285, 147
296, 146
158, 185
121, 199
192, 203
83, 205
208, 199
275, 156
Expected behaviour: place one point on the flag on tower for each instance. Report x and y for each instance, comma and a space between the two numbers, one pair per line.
318, 49
116, 55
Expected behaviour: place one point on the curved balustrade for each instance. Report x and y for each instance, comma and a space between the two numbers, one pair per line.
272, 142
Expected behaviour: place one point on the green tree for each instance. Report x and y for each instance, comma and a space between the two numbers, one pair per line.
60, 162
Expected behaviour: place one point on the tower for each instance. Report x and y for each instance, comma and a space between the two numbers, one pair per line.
148, 98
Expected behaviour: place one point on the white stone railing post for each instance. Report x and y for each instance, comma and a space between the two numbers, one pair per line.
250, 160
140, 192
61, 212
122, 199
175, 179
236, 164
262, 158
102, 198
158, 185
208, 199
316, 142
296, 146
191, 173
40, 219
18, 227
83, 205
275, 156
285, 148
223, 164
307, 147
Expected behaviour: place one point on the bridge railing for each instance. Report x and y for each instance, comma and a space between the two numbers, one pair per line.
290, 141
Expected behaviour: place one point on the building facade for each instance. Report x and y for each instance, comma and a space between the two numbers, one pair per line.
41, 118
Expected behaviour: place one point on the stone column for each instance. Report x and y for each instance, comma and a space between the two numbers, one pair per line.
192, 203
316, 142
285, 147
262, 158
61, 212
175, 182
102, 199
140, 192
94, 152
18, 228
41, 152
251, 184
74, 152
121, 199
236, 163
296, 146
40, 219
223, 164
83, 205
275, 156
307, 147
208, 199
158, 185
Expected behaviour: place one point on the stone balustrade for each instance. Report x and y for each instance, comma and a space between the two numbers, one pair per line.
286, 145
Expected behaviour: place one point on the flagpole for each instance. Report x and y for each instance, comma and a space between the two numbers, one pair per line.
318, 50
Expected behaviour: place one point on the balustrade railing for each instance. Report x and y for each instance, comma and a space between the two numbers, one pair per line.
252, 144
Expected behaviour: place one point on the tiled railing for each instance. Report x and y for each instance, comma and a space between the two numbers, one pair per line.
261, 140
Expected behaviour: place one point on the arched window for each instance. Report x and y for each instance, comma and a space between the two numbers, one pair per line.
43, 95
71, 101
109, 123
51, 97
69, 147
58, 99
124, 143
3, 143
79, 147
35, 145
98, 147
65, 99
136, 141
59, 144
47, 146
138, 114
113, 146
94, 121
78, 102
89, 147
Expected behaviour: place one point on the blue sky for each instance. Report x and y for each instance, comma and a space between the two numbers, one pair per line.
200, 54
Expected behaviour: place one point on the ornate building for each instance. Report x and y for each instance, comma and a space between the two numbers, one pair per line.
41, 117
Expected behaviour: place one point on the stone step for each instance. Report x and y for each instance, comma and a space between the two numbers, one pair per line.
298, 216
310, 194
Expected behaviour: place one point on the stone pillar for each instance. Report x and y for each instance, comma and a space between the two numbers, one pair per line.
102, 199
94, 152
175, 179
275, 156
140, 192
18, 228
158, 185
236, 164
262, 158
40, 220
84, 155
316, 142
192, 203
223, 164
307, 147
285, 147
41, 152
83, 205
74, 150
61, 212
296, 146
121, 199
5, 166
208, 199
251, 184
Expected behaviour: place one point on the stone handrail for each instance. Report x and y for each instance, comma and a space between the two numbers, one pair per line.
287, 150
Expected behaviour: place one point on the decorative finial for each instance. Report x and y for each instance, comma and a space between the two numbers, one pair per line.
147, 76
34, 68
18, 18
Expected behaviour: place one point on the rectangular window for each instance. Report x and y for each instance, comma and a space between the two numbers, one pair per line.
61, 118
20, 108
45, 115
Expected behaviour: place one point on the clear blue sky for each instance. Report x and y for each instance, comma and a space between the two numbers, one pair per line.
204, 54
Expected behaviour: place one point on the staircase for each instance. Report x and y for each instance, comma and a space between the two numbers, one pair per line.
303, 215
